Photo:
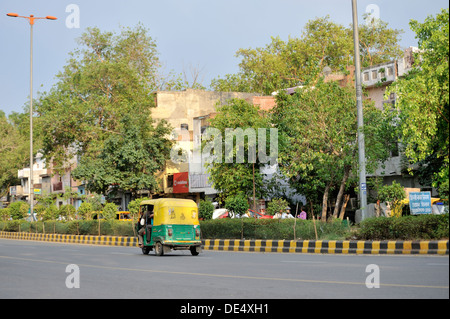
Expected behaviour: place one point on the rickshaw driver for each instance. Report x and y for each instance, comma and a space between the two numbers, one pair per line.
145, 224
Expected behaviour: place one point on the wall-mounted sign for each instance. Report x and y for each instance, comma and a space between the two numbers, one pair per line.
181, 183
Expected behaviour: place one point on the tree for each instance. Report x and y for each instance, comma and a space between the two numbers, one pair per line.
238, 169
85, 210
102, 100
422, 103
283, 64
318, 139
393, 194
237, 204
129, 159
277, 205
109, 211
205, 209
18, 210
14, 154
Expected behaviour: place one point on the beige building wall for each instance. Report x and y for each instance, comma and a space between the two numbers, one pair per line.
179, 109
182, 106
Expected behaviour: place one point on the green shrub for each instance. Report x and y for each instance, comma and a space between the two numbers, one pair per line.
405, 228
249, 228
237, 204
428, 227
205, 209
109, 211
18, 210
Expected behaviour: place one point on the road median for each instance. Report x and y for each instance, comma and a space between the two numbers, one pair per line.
419, 247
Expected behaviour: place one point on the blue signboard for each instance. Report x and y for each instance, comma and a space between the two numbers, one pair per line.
420, 203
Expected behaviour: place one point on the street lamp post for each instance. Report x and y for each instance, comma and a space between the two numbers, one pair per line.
31, 20
361, 142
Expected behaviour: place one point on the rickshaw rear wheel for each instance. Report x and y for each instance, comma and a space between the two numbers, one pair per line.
194, 251
146, 250
159, 249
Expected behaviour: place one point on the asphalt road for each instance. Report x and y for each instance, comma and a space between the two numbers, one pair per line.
31, 269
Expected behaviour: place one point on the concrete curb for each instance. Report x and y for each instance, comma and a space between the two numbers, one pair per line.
423, 247
331, 246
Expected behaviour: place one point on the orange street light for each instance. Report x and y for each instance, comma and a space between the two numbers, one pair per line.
31, 19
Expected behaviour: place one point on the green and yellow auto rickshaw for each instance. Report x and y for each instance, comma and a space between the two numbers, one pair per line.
170, 224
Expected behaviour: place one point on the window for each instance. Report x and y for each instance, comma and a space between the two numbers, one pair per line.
374, 75
366, 76
390, 71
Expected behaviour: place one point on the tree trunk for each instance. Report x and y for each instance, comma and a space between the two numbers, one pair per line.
324, 203
341, 191
344, 206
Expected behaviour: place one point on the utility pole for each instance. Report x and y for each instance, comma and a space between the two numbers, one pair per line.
361, 143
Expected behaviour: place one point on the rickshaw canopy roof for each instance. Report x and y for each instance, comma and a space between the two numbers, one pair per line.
173, 211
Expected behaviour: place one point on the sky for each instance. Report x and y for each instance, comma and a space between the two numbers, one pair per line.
201, 34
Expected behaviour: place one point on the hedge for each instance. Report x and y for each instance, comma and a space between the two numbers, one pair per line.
76, 227
405, 228
272, 229
211, 229
424, 227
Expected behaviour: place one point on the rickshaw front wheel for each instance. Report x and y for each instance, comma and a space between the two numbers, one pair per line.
159, 249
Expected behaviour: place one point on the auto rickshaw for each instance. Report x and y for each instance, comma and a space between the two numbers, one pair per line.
174, 226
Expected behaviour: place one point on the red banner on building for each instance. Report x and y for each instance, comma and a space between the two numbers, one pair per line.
181, 183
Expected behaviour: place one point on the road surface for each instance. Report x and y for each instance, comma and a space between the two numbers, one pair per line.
32, 269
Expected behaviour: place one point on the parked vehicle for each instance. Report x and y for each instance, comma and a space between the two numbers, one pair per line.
254, 214
220, 213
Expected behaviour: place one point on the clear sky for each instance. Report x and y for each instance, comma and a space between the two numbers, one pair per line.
201, 33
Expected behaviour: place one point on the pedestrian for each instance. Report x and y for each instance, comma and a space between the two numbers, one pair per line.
302, 214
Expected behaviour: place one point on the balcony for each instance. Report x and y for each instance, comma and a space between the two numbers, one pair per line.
380, 74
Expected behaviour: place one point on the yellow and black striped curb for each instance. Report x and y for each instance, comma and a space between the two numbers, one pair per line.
330, 246
439, 247
73, 239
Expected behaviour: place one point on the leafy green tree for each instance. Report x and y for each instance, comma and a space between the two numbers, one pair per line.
85, 210
277, 205
282, 64
422, 104
103, 100
238, 169
68, 211
14, 151
318, 139
109, 211
205, 209
4, 214
128, 160
133, 206
18, 210
237, 204
393, 194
